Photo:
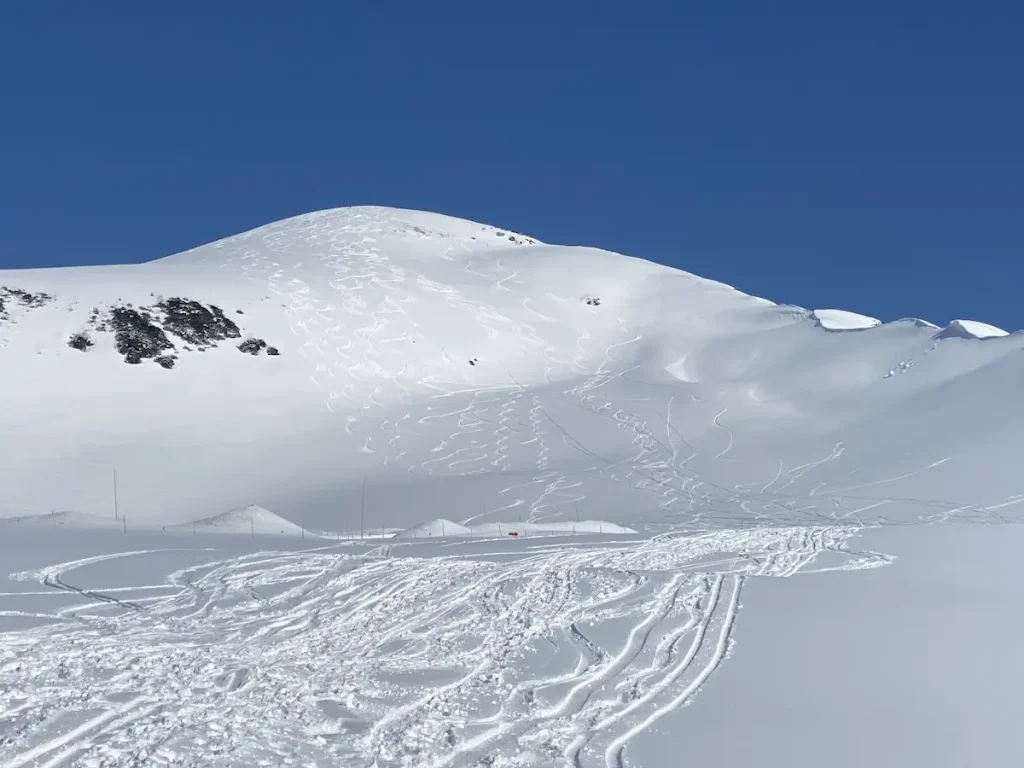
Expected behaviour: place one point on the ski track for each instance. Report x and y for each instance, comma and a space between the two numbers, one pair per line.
355, 335
325, 657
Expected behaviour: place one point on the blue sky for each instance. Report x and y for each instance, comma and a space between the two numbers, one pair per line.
868, 157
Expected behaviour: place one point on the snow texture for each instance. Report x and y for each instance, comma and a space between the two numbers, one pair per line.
492, 502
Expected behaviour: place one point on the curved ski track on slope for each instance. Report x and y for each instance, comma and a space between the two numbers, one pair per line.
560, 657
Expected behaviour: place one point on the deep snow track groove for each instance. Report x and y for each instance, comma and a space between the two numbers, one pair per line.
561, 653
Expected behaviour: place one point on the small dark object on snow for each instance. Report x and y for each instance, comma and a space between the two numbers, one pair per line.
272, 351
166, 361
239, 311
593, 301
80, 341
252, 346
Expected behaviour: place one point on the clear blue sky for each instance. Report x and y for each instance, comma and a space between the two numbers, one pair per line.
868, 157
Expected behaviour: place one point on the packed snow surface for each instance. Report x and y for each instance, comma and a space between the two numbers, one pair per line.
530, 505
439, 527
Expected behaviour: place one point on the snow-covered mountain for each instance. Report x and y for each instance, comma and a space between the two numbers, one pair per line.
395, 489
498, 376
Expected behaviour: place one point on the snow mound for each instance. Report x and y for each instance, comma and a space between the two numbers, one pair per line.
250, 520
438, 527
970, 329
411, 229
841, 320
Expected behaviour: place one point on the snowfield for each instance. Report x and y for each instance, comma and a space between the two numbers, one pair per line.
376, 487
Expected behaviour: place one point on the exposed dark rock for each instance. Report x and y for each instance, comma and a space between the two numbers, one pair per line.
136, 336
26, 299
17, 295
80, 341
143, 333
593, 301
196, 324
252, 346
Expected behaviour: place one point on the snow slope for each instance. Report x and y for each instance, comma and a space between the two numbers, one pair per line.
420, 351
430, 369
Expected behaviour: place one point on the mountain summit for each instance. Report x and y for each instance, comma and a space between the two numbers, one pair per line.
486, 375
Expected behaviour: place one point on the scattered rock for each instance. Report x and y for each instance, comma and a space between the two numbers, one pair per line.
24, 298
252, 346
593, 301
141, 333
80, 341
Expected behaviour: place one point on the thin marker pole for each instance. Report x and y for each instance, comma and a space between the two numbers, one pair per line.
362, 510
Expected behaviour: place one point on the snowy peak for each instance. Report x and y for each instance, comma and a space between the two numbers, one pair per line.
414, 350
367, 224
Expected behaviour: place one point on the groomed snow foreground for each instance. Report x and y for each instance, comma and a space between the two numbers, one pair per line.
374, 487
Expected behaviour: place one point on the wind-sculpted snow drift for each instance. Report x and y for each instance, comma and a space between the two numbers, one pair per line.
586, 458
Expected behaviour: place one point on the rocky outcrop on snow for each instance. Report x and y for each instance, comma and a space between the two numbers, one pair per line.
200, 326
11, 296
137, 337
149, 333
252, 346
